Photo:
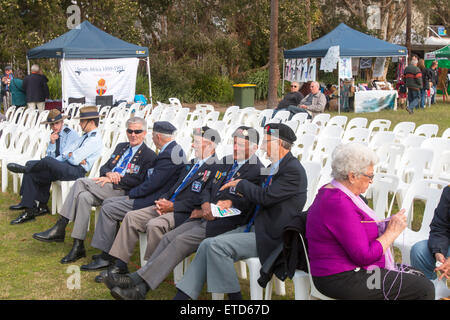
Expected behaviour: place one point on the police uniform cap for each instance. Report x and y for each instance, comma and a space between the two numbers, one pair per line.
164, 127
208, 133
88, 112
283, 131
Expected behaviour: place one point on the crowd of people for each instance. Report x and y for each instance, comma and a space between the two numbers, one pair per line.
178, 203
19, 90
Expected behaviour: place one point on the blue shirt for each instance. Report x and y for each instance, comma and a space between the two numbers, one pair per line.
165, 146
67, 136
88, 149
133, 152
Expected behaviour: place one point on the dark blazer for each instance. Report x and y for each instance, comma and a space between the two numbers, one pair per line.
35, 87
142, 160
280, 202
251, 171
191, 196
159, 178
439, 240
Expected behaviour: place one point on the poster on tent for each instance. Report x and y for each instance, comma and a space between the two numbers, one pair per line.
312, 70
100, 77
345, 68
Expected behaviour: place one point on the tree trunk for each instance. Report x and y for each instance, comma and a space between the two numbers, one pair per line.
308, 21
408, 28
274, 72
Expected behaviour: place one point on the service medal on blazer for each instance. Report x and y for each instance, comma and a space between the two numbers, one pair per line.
196, 186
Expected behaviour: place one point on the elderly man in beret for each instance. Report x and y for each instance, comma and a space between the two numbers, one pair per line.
160, 178
73, 162
170, 209
279, 197
185, 239
126, 168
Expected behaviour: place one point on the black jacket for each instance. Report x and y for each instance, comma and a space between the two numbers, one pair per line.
291, 99
137, 168
439, 240
251, 171
191, 196
159, 178
279, 203
35, 87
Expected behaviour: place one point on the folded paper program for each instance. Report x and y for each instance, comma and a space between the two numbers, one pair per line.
217, 212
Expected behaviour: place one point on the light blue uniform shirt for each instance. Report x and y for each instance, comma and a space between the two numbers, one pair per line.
67, 136
133, 152
89, 149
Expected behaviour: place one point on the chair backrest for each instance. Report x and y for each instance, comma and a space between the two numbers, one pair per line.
283, 115
446, 134
303, 146
357, 122
211, 117
314, 291
265, 116
403, 129
381, 137
379, 125
9, 113
76, 100
332, 131
412, 141
324, 148
429, 130
382, 185
438, 146
389, 155
321, 119
428, 190
104, 100
300, 117
339, 121
175, 102
307, 128
293, 124
413, 163
360, 135
231, 115
312, 170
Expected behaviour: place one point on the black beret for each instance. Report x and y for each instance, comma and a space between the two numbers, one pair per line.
247, 133
164, 127
283, 131
208, 133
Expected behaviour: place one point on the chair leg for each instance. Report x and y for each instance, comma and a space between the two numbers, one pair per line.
241, 269
280, 288
178, 272
301, 286
217, 296
142, 247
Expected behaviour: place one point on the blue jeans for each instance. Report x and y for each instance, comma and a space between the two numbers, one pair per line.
423, 259
433, 96
413, 99
423, 94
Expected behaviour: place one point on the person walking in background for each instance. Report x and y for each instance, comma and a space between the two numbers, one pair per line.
17, 91
426, 73
36, 88
433, 79
413, 80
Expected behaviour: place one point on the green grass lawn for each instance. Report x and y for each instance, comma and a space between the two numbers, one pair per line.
30, 269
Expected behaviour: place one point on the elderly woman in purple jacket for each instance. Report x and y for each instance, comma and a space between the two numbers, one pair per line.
349, 251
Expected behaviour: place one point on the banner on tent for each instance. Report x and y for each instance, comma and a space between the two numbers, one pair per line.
300, 70
100, 77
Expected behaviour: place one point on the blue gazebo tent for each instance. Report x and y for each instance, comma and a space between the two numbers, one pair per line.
89, 42
351, 43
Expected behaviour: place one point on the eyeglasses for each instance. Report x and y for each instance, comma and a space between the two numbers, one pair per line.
370, 177
129, 131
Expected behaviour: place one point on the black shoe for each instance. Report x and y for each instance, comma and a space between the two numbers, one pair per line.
25, 216
76, 253
134, 293
409, 110
97, 264
56, 233
43, 209
17, 207
111, 270
118, 280
16, 168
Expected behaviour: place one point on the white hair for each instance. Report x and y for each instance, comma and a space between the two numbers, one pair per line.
351, 157
140, 120
34, 68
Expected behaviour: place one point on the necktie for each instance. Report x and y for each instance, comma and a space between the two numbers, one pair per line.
186, 179
249, 225
58, 143
124, 163
232, 172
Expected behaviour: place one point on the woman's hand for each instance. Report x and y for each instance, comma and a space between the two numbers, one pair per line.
232, 183
397, 223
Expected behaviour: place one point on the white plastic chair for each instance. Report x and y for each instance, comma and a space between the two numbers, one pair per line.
360, 135
300, 117
321, 119
339, 121
430, 191
428, 130
383, 184
283, 115
175, 102
323, 150
303, 146
357, 122
412, 141
307, 128
300, 285
446, 134
332, 131
379, 125
380, 138
442, 170
389, 155
312, 170
438, 146
265, 116
256, 291
403, 129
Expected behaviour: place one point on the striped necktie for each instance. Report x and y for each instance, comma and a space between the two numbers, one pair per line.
124, 163
185, 181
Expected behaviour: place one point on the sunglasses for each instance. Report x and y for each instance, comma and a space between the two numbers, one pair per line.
129, 131
294, 86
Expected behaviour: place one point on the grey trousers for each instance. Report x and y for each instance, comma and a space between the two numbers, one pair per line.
84, 195
111, 214
171, 250
214, 263
142, 220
